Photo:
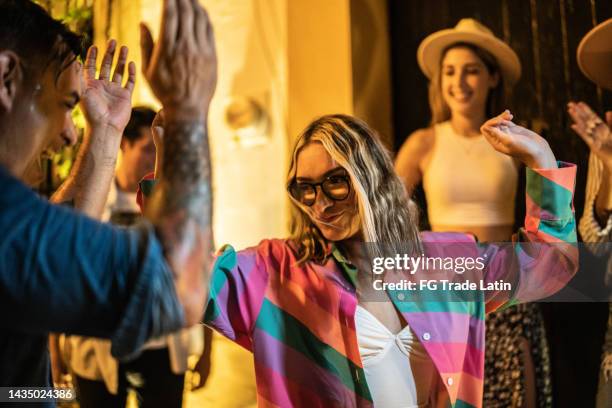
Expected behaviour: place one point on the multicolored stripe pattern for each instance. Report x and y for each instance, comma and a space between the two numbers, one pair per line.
298, 320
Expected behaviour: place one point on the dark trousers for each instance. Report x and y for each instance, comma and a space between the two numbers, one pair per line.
150, 376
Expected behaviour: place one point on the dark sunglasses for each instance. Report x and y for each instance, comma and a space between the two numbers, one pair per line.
336, 187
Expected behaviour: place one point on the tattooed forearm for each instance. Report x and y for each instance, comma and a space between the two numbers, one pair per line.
182, 71
181, 210
184, 189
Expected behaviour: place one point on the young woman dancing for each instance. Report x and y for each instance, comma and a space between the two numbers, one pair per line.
304, 305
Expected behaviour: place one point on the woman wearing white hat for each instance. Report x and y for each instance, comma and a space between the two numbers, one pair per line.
470, 187
594, 57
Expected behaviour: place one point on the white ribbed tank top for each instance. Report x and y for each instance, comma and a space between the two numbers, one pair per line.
467, 182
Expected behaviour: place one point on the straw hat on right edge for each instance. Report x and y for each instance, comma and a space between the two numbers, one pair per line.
473, 32
594, 55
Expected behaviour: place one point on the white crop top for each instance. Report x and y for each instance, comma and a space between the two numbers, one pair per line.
467, 182
398, 370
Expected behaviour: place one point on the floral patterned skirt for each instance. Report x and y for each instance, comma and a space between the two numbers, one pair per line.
504, 383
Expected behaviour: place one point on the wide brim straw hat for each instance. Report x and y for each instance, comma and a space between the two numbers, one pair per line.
472, 32
594, 54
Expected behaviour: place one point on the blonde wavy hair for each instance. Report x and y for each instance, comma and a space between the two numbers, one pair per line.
387, 215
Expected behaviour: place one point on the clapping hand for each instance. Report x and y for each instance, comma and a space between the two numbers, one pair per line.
516, 141
105, 102
595, 133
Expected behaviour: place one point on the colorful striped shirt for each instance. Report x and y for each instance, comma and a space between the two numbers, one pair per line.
298, 319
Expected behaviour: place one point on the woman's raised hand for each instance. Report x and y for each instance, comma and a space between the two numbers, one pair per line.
516, 141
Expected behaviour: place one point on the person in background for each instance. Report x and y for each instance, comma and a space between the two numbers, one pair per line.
470, 187
158, 375
62, 271
137, 159
594, 56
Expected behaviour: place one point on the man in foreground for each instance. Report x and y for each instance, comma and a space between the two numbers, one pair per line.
61, 271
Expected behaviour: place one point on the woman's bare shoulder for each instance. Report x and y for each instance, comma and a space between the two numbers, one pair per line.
418, 142
423, 137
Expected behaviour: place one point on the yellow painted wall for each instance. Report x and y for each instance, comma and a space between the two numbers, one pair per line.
319, 59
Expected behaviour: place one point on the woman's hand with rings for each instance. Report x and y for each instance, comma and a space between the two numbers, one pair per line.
594, 131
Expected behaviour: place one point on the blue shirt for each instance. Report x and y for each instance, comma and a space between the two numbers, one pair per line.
61, 271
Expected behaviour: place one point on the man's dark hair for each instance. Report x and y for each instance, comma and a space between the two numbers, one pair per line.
142, 117
39, 40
